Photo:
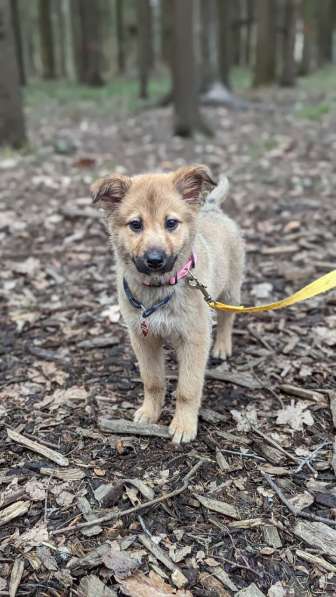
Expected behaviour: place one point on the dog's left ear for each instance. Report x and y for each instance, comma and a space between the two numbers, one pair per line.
190, 181
109, 191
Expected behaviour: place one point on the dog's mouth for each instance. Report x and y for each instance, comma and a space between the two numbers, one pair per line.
155, 266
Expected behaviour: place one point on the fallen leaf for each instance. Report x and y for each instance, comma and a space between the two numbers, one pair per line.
218, 506
246, 418
120, 563
295, 415
152, 585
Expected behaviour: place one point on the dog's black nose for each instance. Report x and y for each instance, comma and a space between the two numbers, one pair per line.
155, 259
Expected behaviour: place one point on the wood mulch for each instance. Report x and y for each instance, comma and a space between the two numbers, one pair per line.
250, 507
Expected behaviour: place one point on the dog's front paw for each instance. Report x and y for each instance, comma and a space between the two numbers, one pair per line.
147, 414
183, 428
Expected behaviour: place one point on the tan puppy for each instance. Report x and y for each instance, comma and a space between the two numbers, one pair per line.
160, 230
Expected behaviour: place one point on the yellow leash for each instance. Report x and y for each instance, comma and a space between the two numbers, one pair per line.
323, 284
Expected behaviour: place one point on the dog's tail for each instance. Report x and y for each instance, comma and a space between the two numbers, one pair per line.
219, 193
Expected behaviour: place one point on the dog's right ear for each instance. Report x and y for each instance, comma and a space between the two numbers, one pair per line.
109, 191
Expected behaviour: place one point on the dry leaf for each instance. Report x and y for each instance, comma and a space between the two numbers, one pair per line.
153, 585
295, 415
246, 418
120, 563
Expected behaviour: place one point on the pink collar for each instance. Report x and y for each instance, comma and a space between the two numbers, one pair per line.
182, 273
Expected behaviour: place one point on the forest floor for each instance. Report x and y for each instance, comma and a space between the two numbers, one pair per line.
245, 522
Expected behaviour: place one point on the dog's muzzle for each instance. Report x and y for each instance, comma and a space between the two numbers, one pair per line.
154, 261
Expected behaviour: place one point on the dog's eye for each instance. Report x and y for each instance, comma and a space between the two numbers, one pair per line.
135, 225
171, 224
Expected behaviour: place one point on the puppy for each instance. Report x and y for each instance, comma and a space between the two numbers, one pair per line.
161, 229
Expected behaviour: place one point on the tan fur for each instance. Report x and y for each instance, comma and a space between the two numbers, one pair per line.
185, 322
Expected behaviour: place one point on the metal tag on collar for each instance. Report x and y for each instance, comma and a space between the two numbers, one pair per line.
144, 327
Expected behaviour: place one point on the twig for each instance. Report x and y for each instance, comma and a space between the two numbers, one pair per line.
124, 426
38, 448
275, 445
290, 506
113, 515
309, 458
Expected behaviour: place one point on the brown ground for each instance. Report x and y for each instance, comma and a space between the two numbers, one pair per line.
57, 283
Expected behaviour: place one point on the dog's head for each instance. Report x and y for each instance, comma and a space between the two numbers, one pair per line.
152, 217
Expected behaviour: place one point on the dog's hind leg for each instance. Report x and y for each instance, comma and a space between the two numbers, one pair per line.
150, 355
223, 343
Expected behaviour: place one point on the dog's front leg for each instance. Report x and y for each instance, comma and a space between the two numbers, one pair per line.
192, 354
150, 355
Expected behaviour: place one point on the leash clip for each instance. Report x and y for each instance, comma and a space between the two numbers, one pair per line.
193, 282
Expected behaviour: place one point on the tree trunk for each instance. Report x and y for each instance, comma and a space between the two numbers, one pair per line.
249, 28
61, 38
236, 32
166, 27
46, 39
325, 15
18, 40
265, 68
120, 32
144, 45
90, 43
208, 44
187, 116
309, 28
288, 74
12, 129
225, 45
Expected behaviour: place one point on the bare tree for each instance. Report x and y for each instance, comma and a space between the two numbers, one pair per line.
325, 14
265, 68
309, 36
187, 115
120, 33
87, 41
288, 74
46, 39
144, 44
225, 41
208, 44
12, 129
18, 40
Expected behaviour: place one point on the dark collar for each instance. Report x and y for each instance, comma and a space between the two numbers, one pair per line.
146, 312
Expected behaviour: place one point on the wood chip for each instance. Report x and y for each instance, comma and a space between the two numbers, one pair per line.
303, 393
163, 557
333, 457
318, 560
123, 426
38, 448
13, 511
86, 510
218, 506
248, 523
271, 536
213, 585
65, 474
221, 461
234, 439
211, 416
332, 404
318, 535
223, 576
16, 576
92, 585
239, 379
250, 591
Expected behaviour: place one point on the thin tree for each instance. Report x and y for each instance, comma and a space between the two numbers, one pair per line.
309, 36
12, 129
18, 40
166, 31
46, 39
187, 115
91, 43
325, 14
249, 26
208, 44
120, 34
265, 67
225, 42
144, 44
288, 74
